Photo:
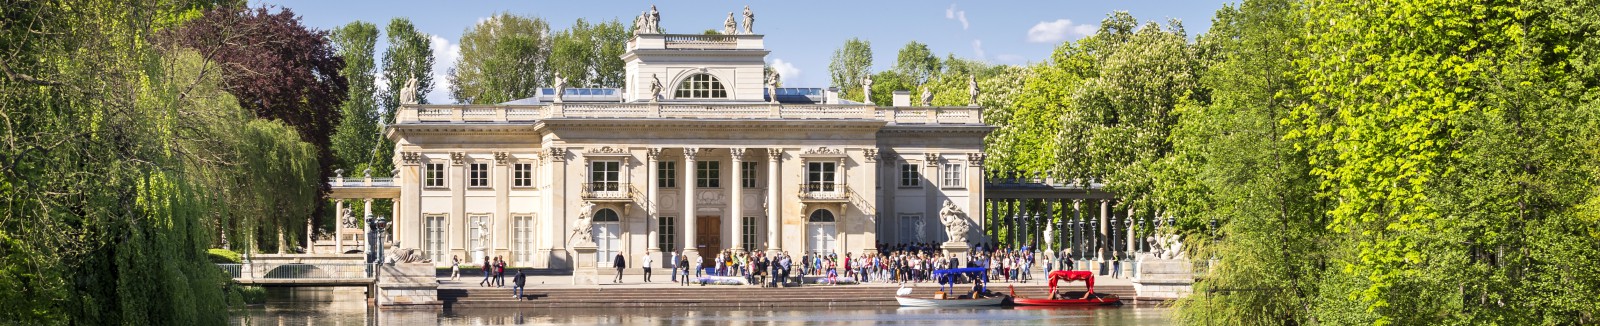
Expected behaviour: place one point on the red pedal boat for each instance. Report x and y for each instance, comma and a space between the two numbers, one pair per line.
1070, 298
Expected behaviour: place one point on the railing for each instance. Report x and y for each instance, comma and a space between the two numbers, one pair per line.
699, 41
920, 115
606, 191
234, 270
341, 181
824, 191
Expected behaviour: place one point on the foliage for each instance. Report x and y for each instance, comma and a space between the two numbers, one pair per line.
356, 138
503, 58
917, 62
590, 55
850, 63
223, 256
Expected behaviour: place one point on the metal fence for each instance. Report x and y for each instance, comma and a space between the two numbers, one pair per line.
282, 271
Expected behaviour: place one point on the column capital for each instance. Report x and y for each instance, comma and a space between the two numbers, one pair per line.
503, 158
871, 154
737, 153
556, 154
930, 159
774, 154
653, 153
689, 153
975, 159
458, 158
411, 158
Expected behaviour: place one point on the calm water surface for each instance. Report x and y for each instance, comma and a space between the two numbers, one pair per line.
303, 313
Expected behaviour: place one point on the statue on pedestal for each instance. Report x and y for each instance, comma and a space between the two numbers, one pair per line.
408, 95
729, 26
772, 86
972, 88
927, 96
483, 238
584, 226
641, 23
866, 88
654, 20
655, 88
561, 87
749, 21
955, 221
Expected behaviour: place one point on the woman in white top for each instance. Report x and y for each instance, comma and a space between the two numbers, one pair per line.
455, 268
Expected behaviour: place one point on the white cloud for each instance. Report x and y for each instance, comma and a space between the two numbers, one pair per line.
1058, 30
1009, 58
977, 46
445, 55
959, 15
786, 70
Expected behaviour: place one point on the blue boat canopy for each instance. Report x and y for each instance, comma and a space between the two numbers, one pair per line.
968, 270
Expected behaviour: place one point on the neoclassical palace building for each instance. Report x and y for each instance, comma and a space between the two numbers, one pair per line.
698, 152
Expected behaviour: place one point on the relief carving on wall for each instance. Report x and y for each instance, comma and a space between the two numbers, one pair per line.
824, 150
708, 198
610, 150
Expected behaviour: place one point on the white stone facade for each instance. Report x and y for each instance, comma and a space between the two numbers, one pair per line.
731, 172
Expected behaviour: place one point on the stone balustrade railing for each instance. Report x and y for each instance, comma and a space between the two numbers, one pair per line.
923, 115
342, 181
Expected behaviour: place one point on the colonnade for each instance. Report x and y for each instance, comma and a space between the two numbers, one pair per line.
1089, 227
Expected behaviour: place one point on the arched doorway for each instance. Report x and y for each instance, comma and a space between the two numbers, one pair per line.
821, 232
607, 235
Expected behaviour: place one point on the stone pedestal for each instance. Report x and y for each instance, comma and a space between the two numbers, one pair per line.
583, 271
957, 249
1163, 278
408, 286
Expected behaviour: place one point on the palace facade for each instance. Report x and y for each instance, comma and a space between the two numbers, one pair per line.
697, 152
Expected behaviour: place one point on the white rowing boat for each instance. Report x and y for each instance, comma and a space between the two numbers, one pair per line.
906, 300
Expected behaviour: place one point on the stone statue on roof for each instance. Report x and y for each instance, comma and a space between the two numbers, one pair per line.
866, 87
927, 96
561, 87
772, 86
655, 88
654, 21
641, 23
749, 21
972, 88
408, 95
729, 26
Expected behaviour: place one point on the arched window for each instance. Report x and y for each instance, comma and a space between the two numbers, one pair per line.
607, 234
821, 232
701, 86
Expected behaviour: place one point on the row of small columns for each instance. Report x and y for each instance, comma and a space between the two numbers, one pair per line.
1024, 220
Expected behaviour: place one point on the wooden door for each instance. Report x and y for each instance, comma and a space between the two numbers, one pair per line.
708, 236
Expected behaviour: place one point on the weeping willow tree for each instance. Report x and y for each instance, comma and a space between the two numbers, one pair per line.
121, 161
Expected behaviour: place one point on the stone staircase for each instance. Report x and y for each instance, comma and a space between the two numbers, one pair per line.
718, 296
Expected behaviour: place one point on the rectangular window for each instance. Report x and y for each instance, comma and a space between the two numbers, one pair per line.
433, 175
952, 175
603, 175
820, 176
433, 237
748, 233
522, 239
748, 174
666, 233
667, 174
708, 174
910, 175
522, 175
478, 175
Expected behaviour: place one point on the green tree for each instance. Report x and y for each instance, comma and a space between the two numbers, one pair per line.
503, 58
356, 137
850, 63
590, 55
917, 62
408, 56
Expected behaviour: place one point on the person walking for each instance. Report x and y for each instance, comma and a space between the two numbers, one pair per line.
488, 273
645, 262
620, 263
517, 282
455, 268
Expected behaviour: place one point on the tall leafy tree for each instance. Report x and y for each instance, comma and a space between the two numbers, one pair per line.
849, 64
409, 55
916, 61
590, 55
357, 135
503, 58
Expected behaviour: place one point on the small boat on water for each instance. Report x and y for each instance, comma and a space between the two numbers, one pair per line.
978, 296
1070, 298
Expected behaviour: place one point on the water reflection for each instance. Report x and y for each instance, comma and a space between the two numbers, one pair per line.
356, 313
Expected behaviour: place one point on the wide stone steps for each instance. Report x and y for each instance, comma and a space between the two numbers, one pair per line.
715, 296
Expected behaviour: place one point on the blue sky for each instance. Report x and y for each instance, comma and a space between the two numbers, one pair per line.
802, 35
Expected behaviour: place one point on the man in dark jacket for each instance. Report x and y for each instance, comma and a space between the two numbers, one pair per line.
516, 284
619, 264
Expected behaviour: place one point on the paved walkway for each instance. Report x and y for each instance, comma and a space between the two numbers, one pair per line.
665, 281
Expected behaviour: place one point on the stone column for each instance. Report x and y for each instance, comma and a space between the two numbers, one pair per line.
774, 243
1102, 244
690, 244
652, 216
735, 203
338, 226
1128, 222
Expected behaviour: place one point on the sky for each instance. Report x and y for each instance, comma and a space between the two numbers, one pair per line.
801, 35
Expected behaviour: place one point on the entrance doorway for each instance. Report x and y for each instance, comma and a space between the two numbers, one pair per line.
708, 236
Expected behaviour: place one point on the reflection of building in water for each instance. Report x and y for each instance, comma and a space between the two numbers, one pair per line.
713, 163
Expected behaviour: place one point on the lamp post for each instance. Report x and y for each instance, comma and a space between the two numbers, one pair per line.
375, 238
